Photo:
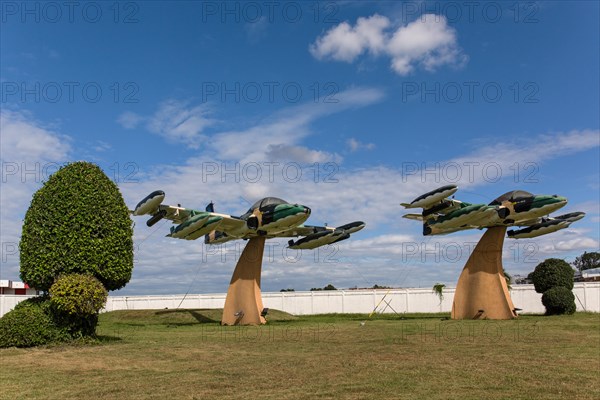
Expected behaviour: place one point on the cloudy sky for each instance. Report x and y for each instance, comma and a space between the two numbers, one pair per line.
347, 107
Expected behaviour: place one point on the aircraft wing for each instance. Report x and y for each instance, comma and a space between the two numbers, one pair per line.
416, 217
317, 236
544, 225
301, 230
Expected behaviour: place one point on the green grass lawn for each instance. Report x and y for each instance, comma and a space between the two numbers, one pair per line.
186, 354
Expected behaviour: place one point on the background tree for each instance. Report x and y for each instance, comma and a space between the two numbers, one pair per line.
508, 279
328, 287
77, 222
587, 261
376, 286
438, 289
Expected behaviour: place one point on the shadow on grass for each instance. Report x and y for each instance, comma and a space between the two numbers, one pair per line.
108, 339
201, 316
375, 317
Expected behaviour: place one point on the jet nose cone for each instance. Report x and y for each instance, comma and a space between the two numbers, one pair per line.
306, 210
556, 199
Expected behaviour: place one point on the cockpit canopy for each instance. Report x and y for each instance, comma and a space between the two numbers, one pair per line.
510, 196
264, 204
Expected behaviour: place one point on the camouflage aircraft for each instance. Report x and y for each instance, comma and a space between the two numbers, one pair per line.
442, 214
270, 217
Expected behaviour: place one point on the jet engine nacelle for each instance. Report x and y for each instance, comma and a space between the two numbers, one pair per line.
252, 222
156, 217
318, 239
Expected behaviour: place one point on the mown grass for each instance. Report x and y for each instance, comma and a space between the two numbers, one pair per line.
185, 354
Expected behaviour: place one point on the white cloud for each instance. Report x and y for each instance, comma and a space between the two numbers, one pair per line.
30, 152
427, 42
102, 146
256, 30
176, 121
24, 139
129, 120
355, 145
580, 243
278, 136
345, 43
299, 154
284, 131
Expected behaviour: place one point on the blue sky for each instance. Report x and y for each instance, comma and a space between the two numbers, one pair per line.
347, 107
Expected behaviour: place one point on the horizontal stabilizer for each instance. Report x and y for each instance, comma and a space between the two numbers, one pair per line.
352, 227
571, 217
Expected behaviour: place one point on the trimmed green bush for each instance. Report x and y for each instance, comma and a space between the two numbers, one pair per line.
78, 294
551, 273
77, 223
76, 300
559, 300
42, 301
29, 324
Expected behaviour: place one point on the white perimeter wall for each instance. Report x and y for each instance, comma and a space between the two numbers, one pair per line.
587, 298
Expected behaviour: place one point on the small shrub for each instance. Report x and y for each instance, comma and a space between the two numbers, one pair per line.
559, 300
41, 301
77, 299
552, 272
30, 324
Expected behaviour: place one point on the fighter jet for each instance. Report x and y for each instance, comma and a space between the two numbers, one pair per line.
442, 214
270, 217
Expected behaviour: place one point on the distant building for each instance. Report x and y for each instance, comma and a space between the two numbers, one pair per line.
16, 288
521, 280
588, 275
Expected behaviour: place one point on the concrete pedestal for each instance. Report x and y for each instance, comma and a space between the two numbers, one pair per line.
243, 304
481, 291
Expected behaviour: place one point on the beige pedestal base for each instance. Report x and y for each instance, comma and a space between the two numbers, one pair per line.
481, 291
243, 304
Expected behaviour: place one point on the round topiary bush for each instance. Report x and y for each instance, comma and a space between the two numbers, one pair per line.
559, 300
77, 294
76, 300
77, 223
551, 273
30, 324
